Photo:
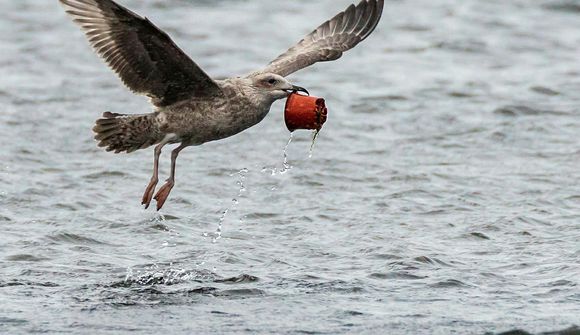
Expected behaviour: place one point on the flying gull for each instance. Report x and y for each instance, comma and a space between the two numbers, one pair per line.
191, 108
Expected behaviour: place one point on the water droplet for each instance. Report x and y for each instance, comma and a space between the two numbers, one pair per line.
234, 203
286, 165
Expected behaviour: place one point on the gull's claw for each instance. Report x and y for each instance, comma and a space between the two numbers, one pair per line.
163, 193
149, 191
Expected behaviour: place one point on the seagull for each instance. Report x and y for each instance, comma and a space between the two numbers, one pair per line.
191, 108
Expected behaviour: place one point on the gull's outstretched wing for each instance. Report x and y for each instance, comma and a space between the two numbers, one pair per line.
329, 41
144, 57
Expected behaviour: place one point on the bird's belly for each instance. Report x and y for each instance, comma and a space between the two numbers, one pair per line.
198, 127
229, 123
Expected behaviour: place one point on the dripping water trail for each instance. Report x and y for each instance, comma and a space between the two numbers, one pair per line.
285, 164
235, 201
314, 137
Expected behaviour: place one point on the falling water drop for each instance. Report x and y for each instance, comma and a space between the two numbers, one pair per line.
286, 165
242, 188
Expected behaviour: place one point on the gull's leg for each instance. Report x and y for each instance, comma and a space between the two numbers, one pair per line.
150, 190
163, 192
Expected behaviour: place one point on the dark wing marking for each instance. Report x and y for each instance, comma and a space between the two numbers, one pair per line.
144, 57
329, 41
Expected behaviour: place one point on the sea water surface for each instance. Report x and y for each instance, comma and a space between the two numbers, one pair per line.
442, 197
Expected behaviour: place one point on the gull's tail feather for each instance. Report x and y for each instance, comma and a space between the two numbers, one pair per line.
126, 133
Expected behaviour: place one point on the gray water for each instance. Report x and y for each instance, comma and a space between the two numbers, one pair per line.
442, 196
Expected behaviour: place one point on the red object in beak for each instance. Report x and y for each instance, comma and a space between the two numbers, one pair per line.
305, 112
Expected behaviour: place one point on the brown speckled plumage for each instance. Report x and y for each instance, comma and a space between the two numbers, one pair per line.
192, 108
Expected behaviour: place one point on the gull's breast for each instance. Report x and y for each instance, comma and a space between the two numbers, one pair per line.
203, 121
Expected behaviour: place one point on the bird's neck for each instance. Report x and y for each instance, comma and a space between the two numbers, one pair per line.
243, 96
243, 88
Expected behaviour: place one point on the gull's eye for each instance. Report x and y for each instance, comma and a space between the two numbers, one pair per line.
272, 81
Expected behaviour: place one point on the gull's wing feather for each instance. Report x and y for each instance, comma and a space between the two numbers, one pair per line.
329, 41
144, 57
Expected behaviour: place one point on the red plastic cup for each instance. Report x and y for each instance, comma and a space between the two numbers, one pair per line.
305, 112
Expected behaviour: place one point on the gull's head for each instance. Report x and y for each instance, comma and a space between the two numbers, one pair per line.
273, 86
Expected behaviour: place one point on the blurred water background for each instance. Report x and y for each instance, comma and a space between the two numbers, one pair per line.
441, 197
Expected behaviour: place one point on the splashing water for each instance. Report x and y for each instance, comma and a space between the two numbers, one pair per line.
234, 203
164, 274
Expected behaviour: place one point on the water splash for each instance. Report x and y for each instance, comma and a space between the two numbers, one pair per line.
129, 274
166, 274
234, 203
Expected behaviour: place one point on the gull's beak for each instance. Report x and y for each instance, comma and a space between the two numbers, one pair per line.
297, 89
